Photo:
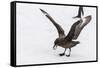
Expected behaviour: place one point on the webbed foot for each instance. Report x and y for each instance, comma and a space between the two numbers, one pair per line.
62, 54
68, 55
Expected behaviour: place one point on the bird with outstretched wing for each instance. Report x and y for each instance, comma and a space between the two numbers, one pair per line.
69, 40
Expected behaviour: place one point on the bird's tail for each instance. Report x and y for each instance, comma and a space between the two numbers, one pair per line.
74, 43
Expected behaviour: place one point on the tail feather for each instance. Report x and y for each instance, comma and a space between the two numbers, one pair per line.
74, 43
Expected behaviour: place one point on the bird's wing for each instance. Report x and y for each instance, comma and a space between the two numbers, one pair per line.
71, 33
79, 27
59, 28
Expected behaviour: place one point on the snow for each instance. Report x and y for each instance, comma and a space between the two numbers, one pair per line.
36, 34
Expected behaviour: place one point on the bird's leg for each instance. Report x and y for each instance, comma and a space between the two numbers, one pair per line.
63, 53
69, 52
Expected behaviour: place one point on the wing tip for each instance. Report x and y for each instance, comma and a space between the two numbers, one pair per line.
44, 12
88, 18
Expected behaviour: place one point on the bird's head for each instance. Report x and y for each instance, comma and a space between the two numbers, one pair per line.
56, 43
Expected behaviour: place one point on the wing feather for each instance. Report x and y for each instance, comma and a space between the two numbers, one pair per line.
79, 28
71, 33
59, 28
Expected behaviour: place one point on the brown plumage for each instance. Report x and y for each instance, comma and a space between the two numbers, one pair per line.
67, 41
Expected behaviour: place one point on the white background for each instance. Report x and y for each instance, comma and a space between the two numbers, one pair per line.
36, 34
5, 33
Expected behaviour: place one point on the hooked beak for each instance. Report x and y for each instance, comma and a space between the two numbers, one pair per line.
54, 47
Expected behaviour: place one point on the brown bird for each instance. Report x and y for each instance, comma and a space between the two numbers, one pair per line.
68, 41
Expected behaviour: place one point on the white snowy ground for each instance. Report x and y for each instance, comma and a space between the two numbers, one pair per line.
36, 34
